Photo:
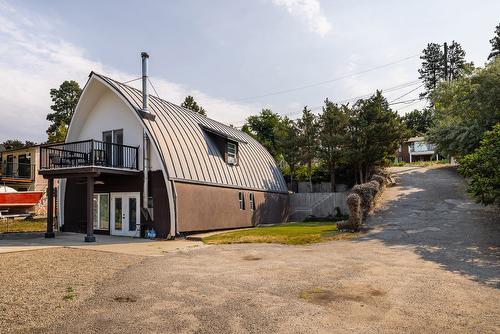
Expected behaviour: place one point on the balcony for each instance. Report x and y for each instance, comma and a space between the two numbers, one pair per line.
421, 147
88, 156
17, 172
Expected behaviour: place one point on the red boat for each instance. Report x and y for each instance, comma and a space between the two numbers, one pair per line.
9, 198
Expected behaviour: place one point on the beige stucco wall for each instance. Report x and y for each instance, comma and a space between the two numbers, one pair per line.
204, 207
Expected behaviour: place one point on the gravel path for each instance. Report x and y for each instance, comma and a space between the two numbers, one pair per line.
381, 283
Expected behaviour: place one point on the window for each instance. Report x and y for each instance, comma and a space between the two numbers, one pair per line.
232, 153
101, 211
113, 153
252, 201
241, 198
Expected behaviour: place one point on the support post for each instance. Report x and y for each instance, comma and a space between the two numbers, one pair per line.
50, 209
90, 224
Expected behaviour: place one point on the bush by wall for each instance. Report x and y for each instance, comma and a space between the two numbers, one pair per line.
361, 200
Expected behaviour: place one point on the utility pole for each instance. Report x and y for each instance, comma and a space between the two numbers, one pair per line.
445, 61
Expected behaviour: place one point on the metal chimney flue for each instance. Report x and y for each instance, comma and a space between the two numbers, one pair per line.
145, 96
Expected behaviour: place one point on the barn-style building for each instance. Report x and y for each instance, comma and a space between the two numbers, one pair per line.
134, 162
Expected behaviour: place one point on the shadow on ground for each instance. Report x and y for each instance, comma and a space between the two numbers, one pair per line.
429, 210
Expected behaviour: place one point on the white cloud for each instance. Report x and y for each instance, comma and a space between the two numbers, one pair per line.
33, 60
309, 12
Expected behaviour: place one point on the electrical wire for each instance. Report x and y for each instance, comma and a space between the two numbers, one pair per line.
355, 98
345, 76
411, 91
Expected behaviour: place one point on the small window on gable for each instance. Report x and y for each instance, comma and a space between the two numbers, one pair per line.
232, 153
241, 198
251, 201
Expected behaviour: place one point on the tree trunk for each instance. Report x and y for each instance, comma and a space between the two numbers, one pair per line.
360, 170
367, 170
332, 178
309, 166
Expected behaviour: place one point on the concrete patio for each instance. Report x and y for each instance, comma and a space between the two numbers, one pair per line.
105, 243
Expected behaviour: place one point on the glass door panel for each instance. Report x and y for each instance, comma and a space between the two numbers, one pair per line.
118, 213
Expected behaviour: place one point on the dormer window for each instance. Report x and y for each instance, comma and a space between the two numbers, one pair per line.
226, 144
232, 153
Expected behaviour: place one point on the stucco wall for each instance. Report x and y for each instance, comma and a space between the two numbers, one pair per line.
111, 113
204, 207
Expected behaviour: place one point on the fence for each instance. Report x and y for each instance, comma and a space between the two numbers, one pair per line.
320, 205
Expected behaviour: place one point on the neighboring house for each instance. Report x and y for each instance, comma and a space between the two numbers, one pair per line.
132, 162
19, 170
416, 149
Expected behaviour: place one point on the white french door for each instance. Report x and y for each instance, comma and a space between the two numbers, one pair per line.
125, 214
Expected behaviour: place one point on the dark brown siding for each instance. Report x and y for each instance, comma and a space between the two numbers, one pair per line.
204, 207
76, 192
74, 206
161, 209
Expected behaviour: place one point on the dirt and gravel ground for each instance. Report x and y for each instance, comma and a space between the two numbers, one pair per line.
429, 264
37, 287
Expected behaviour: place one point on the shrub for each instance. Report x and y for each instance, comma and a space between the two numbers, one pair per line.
355, 214
483, 169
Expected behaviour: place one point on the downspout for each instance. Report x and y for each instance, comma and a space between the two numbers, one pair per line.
145, 144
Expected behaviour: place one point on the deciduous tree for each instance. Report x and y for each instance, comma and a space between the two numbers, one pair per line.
482, 167
465, 109
418, 121
263, 128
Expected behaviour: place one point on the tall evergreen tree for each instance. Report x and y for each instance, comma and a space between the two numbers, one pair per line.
456, 61
333, 136
495, 44
379, 132
308, 133
432, 67
191, 104
65, 100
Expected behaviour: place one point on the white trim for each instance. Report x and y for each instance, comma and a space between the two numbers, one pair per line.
170, 192
172, 201
125, 230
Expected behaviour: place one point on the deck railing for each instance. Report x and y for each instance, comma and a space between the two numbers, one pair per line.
17, 170
89, 153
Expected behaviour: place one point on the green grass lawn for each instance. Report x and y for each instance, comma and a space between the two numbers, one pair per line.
288, 233
21, 225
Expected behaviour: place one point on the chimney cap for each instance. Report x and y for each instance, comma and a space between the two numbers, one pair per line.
144, 55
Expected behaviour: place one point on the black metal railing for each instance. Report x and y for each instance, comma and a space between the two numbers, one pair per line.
17, 170
89, 153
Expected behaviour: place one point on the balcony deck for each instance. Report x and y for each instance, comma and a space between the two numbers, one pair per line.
88, 157
15, 172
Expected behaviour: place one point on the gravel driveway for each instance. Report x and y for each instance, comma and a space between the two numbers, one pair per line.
428, 265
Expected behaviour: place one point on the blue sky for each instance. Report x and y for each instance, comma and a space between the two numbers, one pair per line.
226, 53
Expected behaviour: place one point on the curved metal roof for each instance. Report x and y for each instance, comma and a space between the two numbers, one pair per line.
189, 152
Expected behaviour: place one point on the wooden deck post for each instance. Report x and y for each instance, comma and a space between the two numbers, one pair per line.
90, 224
50, 209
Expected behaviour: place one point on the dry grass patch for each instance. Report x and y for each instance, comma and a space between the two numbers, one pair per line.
22, 225
288, 233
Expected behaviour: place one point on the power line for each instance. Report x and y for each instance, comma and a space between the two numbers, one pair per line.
355, 98
327, 81
411, 91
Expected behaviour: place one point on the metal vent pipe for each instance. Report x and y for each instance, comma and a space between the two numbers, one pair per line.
145, 102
